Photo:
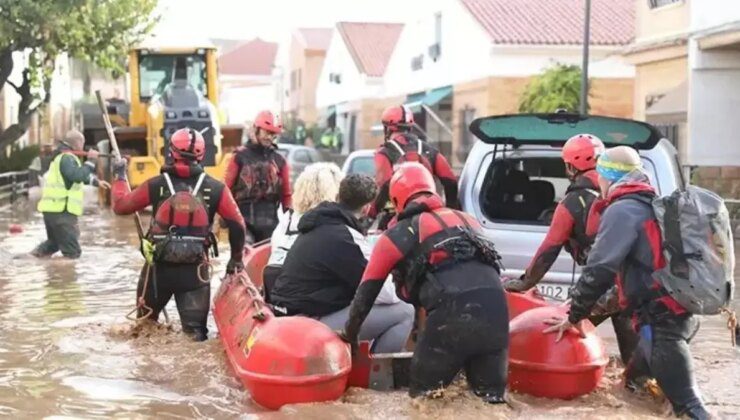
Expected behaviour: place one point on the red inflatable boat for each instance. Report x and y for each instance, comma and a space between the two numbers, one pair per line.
279, 360
296, 359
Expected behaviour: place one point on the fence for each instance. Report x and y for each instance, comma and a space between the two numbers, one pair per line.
13, 185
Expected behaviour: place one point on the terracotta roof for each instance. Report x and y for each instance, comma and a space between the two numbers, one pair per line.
251, 58
554, 22
370, 44
315, 38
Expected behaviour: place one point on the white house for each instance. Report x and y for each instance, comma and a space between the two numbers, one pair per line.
460, 59
352, 77
714, 83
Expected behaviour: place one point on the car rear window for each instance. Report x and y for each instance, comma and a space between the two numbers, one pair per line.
362, 165
524, 190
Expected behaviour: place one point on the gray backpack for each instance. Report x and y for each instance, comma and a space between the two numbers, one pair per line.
698, 248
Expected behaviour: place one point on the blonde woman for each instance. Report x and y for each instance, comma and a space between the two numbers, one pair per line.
317, 183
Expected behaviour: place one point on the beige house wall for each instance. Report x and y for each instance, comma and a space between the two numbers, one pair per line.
660, 22
302, 98
369, 116
655, 78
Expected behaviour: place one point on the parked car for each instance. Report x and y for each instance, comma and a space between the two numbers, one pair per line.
360, 162
298, 158
514, 177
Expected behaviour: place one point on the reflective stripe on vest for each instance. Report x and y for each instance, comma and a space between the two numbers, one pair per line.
55, 197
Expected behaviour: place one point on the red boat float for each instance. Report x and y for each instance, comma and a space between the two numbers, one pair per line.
280, 361
541, 367
291, 360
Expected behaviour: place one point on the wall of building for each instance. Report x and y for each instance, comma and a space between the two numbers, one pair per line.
655, 78
314, 62
662, 22
353, 86
241, 104
706, 14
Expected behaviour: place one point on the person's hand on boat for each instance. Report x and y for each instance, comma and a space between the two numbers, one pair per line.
518, 285
352, 341
560, 325
234, 266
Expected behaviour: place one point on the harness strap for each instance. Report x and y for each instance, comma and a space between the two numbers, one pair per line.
397, 146
169, 183
199, 183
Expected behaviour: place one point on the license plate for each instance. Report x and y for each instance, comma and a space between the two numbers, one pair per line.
553, 291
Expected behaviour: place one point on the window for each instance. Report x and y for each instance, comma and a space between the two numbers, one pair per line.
158, 71
364, 165
654, 4
524, 190
302, 156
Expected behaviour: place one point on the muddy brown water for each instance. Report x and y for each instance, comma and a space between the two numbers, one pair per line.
67, 351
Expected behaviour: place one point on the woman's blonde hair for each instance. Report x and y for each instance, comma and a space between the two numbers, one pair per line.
318, 182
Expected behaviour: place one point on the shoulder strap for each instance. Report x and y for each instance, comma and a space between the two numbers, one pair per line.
198, 184
419, 146
438, 219
169, 183
398, 148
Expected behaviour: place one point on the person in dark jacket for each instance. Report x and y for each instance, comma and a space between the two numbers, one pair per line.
627, 250
325, 264
402, 145
569, 229
259, 178
439, 262
62, 197
188, 281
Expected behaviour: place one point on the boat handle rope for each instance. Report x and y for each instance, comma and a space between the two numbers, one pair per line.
731, 325
257, 301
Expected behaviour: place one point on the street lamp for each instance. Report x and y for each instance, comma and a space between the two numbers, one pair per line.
584, 65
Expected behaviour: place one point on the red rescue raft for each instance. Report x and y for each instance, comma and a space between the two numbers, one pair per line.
541, 367
522, 302
279, 360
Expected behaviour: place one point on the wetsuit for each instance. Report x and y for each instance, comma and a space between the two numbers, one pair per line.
390, 154
570, 229
259, 179
181, 280
439, 263
627, 250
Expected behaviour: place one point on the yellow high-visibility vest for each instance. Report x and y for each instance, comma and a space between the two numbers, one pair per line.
55, 197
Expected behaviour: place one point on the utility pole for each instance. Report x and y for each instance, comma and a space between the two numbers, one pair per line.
584, 65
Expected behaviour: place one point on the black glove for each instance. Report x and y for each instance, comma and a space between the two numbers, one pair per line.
352, 341
518, 285
234, 266
119, 168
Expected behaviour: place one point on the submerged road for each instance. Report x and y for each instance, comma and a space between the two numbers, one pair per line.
66, 350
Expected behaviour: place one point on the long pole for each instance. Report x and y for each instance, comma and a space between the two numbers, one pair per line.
584, 65
116, 153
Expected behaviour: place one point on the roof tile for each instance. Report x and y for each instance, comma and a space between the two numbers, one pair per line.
554, 22
251, 58
371, 44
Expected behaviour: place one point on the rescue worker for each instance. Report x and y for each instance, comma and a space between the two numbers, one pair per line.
401, 145
628, 248
259, 178
440, 263
184, 202
62, 196
569, 229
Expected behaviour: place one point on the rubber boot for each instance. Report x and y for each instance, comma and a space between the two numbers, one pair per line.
490, 397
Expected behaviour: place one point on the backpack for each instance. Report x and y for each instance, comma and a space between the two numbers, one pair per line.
399, 153
180, 228
698, 249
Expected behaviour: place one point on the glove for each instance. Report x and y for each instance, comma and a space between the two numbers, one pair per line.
517, 285
119, 168
234, 266
352, 341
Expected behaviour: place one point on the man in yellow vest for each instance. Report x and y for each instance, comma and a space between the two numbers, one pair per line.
62, 196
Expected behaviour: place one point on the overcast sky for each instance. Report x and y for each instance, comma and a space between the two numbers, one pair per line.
271, 19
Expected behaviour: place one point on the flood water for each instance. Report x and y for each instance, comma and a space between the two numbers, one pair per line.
67, 351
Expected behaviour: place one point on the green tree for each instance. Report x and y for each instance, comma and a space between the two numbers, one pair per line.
557, 87
97, 31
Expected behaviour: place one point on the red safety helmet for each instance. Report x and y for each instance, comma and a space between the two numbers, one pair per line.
397, 118
409, 179
187, 144
582, 150
268, 121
